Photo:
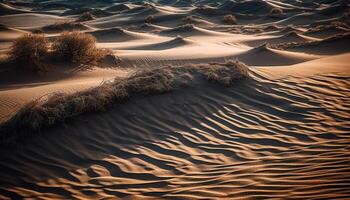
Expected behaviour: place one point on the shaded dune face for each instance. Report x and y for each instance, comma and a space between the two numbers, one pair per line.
257, 139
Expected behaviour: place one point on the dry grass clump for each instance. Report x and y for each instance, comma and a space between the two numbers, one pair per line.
29, 50
63, 26
86, 16
189, 20
77, 47
230, 19
184, 28
44, 113
150, 19
276, 11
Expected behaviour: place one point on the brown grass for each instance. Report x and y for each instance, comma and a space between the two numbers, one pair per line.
86, 16
63, 26
77, 47
28, 51
44, 113
150, 19
189, 20
276, 11
230, 19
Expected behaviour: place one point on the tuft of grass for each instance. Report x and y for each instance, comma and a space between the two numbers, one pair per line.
185, 28
29, 51
63, 26
276, 11
86, 16
43, 113
230, 19
150, 19
189, 20
77, 47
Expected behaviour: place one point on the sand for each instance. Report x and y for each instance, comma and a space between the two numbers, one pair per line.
282, 134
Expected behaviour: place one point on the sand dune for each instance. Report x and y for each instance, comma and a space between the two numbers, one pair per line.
247, 7
330, 46
327, 32
281, 132
114, 35
173, 43
289, 37
276, 57
239, 141
27, 21
188, 30
15, 93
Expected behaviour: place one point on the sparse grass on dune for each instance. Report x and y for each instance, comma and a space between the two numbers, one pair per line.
28, 52
77, 47
230, 19
86, 16
150, 19
31, 50
44, 113
63, 26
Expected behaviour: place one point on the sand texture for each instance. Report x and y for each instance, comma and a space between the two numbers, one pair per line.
281, 133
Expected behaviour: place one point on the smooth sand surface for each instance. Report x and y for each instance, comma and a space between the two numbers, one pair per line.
282, 134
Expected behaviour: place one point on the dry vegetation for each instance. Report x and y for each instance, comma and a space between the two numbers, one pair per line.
188, 20
86, 16
63, 26
29, 51
77, 47
276, 11
185, 27
150, 19
230, 19
41, 113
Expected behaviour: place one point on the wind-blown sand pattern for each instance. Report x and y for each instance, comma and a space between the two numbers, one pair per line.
283, 133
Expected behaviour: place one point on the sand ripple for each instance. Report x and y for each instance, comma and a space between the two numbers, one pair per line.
259, 139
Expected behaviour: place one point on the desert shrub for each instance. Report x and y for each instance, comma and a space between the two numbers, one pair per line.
77, 47
63, 26
86, 16
38, 31
43, 113
188, 20
186, 27
276, 11
29, 51
150, 19
230, 19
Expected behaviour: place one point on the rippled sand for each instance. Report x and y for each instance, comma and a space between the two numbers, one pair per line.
263, 138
